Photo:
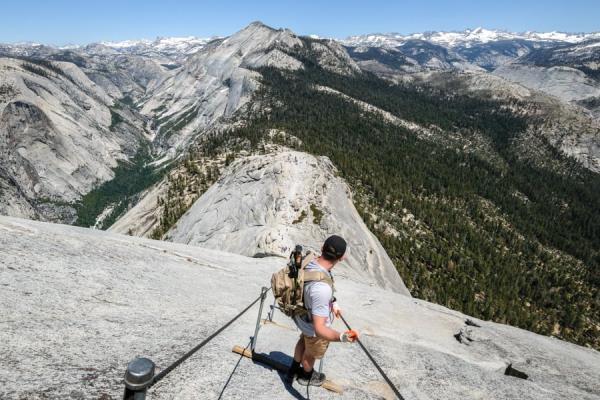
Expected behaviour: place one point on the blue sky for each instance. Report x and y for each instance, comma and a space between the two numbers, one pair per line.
62, 22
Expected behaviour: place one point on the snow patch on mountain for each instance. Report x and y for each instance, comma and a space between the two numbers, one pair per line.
175, 47
466, 37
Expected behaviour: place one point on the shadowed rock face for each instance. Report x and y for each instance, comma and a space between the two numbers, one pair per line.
57, 138
13, 202
22, 126
567, 127
266, 204
78, 304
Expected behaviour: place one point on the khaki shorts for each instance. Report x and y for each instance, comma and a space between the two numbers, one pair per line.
314, 346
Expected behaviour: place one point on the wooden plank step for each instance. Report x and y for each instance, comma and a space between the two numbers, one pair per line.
266, 360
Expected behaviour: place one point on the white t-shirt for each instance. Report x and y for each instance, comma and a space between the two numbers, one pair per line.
317, 300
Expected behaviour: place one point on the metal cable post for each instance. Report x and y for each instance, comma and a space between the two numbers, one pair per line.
321, 364
138, 377
272, 312
263, 296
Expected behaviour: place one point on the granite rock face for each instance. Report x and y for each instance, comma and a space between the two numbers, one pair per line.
123, 75
216, 82
78, 304
142, 218
57, 137
566, 83
264, 205
220, 79
569, 128
555, 91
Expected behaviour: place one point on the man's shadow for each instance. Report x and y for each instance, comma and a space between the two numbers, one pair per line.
279, 357
284, 359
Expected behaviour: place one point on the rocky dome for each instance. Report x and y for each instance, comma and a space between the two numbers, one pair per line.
266, 204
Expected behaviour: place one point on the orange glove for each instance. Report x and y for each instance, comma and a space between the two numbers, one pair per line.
349, 336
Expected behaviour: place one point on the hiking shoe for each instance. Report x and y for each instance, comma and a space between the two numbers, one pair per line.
312, 378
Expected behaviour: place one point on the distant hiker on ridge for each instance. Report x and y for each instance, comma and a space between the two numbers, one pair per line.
305, 292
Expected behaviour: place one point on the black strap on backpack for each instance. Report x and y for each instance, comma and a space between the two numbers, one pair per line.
295, 264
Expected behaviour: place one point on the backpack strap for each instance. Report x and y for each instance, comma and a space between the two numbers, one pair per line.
307, 259
317, 276
313, 276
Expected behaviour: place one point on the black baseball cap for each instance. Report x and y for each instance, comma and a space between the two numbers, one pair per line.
334, 248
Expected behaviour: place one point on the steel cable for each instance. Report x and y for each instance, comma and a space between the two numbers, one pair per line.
389, 382
187, 355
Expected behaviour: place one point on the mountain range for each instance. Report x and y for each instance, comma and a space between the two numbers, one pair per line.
468, 37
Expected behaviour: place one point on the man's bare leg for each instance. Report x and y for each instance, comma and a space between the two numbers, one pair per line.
307, 363
299, 350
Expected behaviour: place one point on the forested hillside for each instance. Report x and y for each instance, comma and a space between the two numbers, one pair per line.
499, 234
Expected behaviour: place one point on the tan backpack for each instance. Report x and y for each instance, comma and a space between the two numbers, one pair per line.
288, 283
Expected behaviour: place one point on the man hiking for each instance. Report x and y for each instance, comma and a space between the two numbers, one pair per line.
315, 325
